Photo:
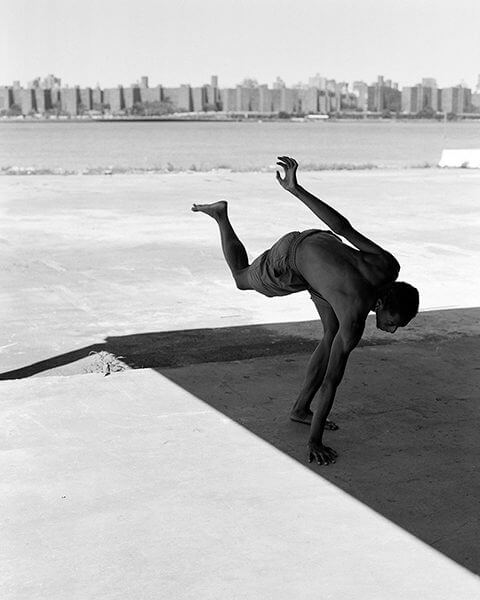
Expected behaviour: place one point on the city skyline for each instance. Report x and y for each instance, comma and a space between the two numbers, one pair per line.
110, 42
321, 96
311, 81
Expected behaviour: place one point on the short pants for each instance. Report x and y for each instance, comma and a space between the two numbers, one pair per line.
275, 273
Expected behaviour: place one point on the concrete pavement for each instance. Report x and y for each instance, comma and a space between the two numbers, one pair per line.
128, 486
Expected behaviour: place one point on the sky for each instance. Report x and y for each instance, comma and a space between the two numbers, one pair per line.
111, 42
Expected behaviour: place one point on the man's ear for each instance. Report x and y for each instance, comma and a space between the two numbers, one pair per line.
378, 305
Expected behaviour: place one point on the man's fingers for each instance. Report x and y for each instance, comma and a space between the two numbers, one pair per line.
291, 162
279, 176
331, 453
287, 160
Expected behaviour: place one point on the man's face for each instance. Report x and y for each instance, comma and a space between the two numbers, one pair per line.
387, 321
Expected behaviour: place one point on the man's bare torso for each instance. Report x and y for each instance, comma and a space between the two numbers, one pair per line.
343, 273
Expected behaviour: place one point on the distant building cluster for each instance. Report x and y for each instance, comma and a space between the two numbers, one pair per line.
321, 96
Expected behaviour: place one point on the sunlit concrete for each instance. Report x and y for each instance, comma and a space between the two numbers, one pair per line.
129, 487
86, 257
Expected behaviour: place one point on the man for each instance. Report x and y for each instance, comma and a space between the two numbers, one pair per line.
345, 284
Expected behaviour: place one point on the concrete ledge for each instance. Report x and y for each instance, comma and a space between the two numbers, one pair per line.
466, 158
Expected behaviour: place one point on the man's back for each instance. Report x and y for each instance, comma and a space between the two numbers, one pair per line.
341, 273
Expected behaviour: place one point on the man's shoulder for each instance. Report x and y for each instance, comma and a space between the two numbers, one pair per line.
385, 261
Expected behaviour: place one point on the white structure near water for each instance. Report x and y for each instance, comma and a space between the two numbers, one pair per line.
467, 158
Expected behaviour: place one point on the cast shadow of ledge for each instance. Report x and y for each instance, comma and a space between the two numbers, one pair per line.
408, 409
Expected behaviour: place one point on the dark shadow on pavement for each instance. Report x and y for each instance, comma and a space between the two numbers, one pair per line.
408, 410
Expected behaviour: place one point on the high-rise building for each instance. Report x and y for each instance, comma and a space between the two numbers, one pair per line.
86, 99
278, 84
131, 96
144, 81
309, 100
456, 100
276, 100
6, 98
323, 102
254, 99
70, 100
318, 82
154, 94
199, 98
410, 100
185, 98
28, 101
228, 99
392, 99
429, 82
43, 100
475, 101
50, 81
97, 99
360, 89
114, 99
243, 98
265, 99
289, 101
172, 95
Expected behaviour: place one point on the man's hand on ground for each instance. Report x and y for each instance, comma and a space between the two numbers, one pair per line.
322, 455
289, 182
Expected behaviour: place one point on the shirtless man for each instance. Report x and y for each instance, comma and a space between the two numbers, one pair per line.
344, 283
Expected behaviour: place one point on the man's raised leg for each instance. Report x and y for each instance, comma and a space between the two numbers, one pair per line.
233, 249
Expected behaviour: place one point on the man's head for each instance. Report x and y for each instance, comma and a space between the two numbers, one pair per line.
397, 306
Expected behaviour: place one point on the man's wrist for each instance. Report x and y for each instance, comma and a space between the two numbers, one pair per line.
296, 189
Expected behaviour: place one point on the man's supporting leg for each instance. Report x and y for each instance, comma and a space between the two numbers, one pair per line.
233, 249
317, 366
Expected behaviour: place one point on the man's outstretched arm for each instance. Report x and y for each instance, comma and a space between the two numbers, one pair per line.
345, 341
331, 217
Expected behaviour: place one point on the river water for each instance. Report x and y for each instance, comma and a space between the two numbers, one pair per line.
76, 146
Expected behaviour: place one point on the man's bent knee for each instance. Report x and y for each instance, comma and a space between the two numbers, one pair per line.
241, 280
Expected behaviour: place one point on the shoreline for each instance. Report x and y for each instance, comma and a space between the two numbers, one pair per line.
172, 170
237, 118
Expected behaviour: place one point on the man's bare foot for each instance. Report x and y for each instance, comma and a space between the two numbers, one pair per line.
306, 419
302, 417
214, 210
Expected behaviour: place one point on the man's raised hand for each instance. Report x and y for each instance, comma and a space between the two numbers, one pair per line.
289, 182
